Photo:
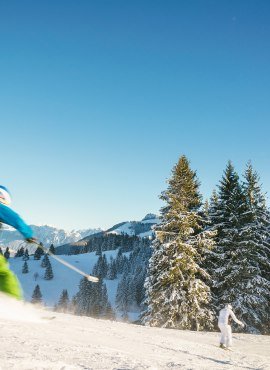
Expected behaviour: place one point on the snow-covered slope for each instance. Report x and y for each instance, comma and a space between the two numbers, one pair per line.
46, 234
64, 278
76, 343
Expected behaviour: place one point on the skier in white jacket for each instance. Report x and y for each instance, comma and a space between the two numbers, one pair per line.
225, 327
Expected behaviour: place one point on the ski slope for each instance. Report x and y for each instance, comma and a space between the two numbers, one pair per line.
64, 278
75, 343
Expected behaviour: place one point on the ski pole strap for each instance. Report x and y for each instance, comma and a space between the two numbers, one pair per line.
94, 279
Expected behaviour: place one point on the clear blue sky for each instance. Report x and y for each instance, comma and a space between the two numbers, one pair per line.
98, 99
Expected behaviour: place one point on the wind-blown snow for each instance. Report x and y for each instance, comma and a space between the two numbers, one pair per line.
15, 310
75, 343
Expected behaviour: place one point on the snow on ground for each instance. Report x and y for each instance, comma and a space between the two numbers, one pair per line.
64, 278
126, 228
75, 343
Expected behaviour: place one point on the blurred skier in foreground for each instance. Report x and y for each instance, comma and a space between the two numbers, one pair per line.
9, 284
225, 327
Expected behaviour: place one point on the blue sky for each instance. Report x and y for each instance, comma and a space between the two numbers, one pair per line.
100, 98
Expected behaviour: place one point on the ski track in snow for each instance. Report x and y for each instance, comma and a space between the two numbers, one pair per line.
74, 343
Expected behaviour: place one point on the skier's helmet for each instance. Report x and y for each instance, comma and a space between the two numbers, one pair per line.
5, 197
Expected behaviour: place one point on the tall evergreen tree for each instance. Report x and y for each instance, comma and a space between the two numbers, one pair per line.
52, 249
106, 306
38, 253
101, 267
104, 265
7, 253
83, 297
20, 252
63, 303
92, 299
1, 252
99, 250
225, 210
25, 269
252, 288
48, 272
112, 272
99, 300
122, 296
26, 255
139, 279
121, 262
45, 261
36, 296
239, 263
177, 295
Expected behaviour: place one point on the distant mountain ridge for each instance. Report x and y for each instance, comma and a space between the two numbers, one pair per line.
46, 234
142, 229
64, 239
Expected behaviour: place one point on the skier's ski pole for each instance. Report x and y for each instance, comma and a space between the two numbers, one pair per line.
94, 279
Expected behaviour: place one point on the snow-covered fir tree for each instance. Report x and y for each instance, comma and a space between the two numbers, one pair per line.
112, 270
38, 253
239, 262
121, 262
92, 299
122, 295
106, 311
251, 292
25, 268
210, 258
48, 272
225, 210
125, 295
36, 296
63, 303
255, 246
130, 291
138, 262
20, 252
177, 295
26, 255
139, 280
52, 249
45, 261
98, 306
82, 300
101, 267
99, 250
7, 253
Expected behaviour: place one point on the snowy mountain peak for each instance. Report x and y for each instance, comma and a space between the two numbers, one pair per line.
46, 234
150, 216
142, 228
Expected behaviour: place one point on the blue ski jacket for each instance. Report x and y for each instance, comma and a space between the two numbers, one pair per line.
9, 217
